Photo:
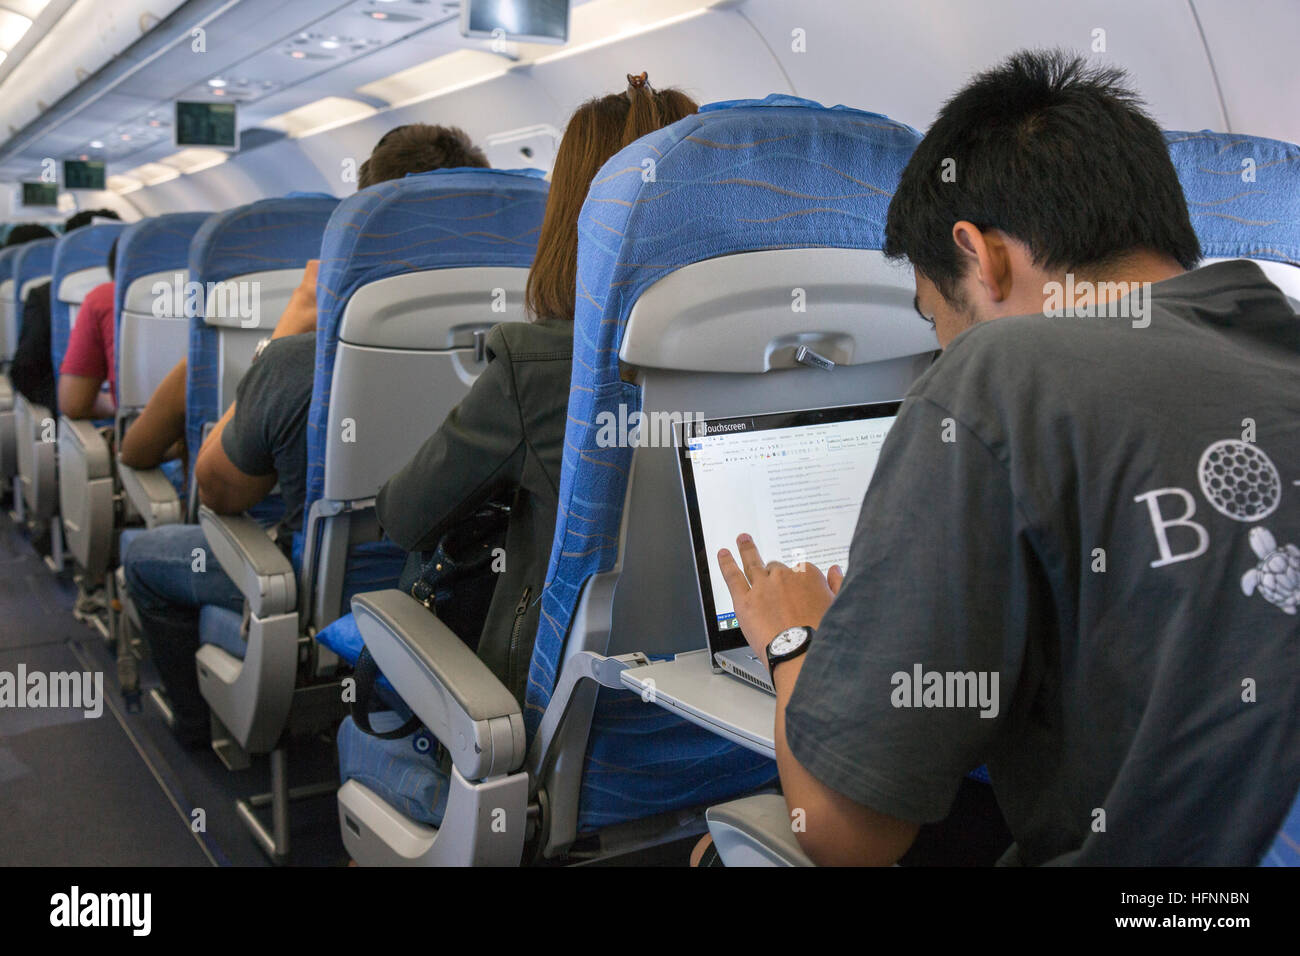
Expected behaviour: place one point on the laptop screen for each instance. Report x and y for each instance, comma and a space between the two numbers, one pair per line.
793, 480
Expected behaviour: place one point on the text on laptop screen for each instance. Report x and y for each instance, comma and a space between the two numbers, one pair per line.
796, 490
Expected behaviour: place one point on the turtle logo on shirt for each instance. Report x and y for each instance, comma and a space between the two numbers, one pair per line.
1239, 480
1277, 576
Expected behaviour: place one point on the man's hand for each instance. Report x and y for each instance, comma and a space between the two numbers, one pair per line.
772, 597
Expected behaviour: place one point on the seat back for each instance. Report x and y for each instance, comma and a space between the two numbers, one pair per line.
1243, 196
8, 317
32, 266
411, 270
245, 264
708, 252
80, 264
149, 302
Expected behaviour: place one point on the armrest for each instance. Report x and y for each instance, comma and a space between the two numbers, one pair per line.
6, 393
151, 494
90, 443
462, 703
246, 552
756, 831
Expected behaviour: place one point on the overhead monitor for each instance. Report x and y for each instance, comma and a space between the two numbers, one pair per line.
530, 21
212, 125
40, 194
83, 174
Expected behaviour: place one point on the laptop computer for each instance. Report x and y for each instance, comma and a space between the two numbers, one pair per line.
794, 481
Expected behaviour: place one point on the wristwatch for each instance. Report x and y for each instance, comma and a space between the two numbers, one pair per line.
790, 643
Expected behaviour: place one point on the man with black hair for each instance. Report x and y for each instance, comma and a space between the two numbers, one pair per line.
32, 372
27, 232
1029, 536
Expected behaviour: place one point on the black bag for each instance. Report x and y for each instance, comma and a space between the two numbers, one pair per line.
456, 582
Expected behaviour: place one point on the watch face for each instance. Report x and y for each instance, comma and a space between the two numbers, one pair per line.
787, 641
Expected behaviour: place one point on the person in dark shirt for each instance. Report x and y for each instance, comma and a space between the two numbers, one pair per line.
506, 437
260, 441
32, 371
1124, 642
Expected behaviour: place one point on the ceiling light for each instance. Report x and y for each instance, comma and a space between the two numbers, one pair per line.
12, 27
329, 44
319, 116
126, 137
218, 92
96, 144
216, 82
195, 160
298, 54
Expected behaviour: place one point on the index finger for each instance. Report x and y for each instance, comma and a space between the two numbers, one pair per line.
749, 555
735, 578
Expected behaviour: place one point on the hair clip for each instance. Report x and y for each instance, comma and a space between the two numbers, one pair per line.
637, 82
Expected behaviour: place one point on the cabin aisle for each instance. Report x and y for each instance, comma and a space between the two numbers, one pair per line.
116, 790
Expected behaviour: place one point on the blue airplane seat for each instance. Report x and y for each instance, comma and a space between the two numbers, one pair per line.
81, 250
388, 244
804, 176
268, 242
1243, 197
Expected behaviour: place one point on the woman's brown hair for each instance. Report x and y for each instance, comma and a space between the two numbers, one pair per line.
598, 129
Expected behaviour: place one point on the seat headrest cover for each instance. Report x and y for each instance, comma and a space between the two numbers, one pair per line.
1243, 193
159, 244
741, 176
84, 248
266, 235
34, 260
259, 237
445, 219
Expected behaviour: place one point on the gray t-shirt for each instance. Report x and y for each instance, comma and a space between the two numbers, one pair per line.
1107, 517
268, 432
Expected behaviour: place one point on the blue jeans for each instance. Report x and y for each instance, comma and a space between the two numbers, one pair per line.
171, 574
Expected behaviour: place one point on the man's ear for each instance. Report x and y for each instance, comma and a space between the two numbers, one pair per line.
986, 256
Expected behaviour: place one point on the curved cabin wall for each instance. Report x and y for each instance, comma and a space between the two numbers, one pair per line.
899, 59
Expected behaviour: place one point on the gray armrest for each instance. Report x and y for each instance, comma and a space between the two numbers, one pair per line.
151, 494
462, 703
259, 569
90, 443
6, 393
756, 831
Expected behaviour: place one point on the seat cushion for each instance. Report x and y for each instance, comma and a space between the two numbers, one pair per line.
643, 760
343, 637
221, 626
404, 772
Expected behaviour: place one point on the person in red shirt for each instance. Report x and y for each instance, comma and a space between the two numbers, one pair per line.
89, 360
